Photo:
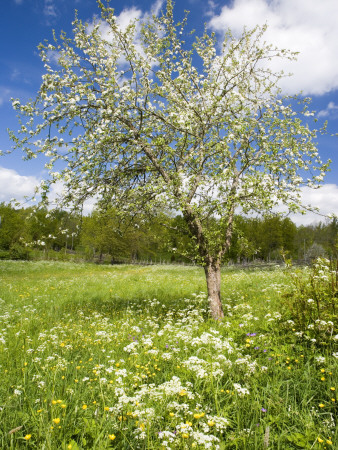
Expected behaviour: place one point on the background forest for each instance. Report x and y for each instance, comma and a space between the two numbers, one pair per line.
103, 237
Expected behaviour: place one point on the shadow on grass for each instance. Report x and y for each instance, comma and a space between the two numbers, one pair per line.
110, 306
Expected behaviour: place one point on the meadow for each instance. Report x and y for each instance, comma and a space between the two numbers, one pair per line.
127, 357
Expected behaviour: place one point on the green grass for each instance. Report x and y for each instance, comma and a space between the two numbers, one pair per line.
126, 357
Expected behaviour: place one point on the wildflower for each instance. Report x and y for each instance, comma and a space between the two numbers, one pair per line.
320, 440
321, 405
211, 423
57, 420
329, 442
323, 378
111, 436
332, 388
263, 410
27, 437
185, 435
84, 407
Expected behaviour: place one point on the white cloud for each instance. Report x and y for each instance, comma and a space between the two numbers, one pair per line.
330, 110
13, 185
156, 7
49, 9
16, 186
4, 95
325, 198
306, 26
128, 15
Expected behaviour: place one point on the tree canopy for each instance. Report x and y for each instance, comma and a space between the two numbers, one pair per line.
149, 116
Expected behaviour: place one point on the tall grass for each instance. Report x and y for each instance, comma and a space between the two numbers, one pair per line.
95, 357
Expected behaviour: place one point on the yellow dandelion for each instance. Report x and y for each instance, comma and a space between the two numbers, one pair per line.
332, 388
323, 378
84, 407
321, 405
27, 437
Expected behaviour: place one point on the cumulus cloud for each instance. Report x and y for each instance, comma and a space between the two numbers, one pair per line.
305, 26
22, 189
325, 198
126, 16
330, 110
13, 185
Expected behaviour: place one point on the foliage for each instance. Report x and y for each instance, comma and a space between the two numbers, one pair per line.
18, 251
313, 302
104, 236
98, 357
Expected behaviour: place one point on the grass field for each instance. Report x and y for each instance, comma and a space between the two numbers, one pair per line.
126, 357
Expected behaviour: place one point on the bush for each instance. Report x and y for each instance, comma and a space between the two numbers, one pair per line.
4, 254
313, 302
17, 251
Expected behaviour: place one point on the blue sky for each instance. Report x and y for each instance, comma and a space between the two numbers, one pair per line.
307, 26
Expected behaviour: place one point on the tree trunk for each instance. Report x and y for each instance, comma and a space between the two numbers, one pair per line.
213, 276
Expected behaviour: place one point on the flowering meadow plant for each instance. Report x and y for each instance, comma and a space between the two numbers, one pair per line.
95, 357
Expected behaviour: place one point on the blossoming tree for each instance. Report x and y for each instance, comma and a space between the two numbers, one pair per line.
140, 118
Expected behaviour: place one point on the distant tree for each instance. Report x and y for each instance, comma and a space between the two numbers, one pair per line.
12, 225
142, 121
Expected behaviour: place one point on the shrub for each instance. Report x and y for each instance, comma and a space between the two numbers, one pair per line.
17, 251
313, 301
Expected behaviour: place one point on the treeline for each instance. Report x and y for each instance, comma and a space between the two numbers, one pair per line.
103, 237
